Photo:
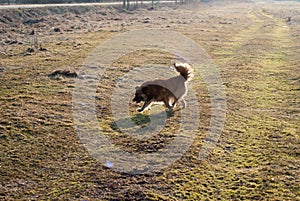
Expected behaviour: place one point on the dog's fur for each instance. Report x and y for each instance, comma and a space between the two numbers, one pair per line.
169, 91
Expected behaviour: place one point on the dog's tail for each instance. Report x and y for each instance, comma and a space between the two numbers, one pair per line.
185, 70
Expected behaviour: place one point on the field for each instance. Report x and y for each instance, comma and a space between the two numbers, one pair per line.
255, 47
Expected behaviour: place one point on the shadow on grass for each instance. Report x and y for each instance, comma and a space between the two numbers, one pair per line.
141, 120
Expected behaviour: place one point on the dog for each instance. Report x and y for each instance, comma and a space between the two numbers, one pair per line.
169, 91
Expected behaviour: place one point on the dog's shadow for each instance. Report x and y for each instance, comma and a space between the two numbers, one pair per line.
141, 122
137, 120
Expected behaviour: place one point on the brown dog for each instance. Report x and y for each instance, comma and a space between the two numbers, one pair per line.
169, 91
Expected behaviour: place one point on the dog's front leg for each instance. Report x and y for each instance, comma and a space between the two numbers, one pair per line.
146, 104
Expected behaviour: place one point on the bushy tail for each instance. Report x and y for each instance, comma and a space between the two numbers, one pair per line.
185, 70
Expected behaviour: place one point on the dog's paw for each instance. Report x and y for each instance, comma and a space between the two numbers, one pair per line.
140, 110
183, 104
170, 113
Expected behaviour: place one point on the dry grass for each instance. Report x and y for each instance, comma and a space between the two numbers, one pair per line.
256, 158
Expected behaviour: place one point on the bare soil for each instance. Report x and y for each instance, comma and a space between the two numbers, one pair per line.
256, 49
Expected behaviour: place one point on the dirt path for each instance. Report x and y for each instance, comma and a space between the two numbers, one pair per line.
262, 120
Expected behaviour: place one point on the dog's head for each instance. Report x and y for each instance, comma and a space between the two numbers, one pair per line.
140, 94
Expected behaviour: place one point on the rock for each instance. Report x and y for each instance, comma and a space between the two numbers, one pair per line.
146, 20
30, 50
11, 42
225, 22
56, 29
32, 32
42, 49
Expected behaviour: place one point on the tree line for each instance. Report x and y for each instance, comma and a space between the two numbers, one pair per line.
125, 2
48, 1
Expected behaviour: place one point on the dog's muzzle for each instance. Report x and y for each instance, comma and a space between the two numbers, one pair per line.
137, 99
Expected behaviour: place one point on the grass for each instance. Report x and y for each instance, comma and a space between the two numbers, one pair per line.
256, 158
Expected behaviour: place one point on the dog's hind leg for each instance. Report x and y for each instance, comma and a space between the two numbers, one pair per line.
168, 103
174, 103
170, 107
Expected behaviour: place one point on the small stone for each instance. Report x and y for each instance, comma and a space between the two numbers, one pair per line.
56, 29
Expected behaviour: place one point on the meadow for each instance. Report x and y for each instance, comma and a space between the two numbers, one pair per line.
255, 47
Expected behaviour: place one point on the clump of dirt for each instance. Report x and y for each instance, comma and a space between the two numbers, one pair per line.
64, 73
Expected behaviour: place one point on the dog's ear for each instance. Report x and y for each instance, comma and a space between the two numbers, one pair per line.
136, 87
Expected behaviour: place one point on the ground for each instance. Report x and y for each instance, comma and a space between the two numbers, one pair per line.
255, 47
